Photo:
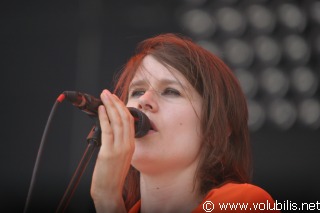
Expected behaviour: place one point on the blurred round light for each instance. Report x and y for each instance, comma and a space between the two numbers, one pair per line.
247, 82
304, 81
274, 82
257, 115
198, 23
238, 53
261, 18
309, 113
296, 49
282, 113
231, 21
267, 50
211, 47
292, 17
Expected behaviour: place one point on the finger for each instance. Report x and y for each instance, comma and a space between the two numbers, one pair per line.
106, 131
127, 118
116, 121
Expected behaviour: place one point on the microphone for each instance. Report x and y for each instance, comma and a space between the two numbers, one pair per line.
90, 104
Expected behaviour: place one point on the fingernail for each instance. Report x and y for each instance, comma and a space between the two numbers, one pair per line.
101, 108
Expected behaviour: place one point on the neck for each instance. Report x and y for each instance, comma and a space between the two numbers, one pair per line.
177, 190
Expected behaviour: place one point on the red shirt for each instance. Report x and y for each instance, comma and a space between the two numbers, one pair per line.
232, 197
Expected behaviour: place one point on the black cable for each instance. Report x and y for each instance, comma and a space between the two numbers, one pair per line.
40, 151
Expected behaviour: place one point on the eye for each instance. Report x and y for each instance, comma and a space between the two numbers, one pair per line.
171, 92
137, 93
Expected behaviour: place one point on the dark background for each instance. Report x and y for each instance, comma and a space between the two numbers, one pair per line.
48, 47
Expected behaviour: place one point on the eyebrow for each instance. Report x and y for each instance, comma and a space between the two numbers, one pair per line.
161, 82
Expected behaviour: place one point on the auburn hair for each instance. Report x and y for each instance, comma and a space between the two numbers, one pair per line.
225, 154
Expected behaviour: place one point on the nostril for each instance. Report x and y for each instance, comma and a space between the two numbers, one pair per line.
145, 107
148, 106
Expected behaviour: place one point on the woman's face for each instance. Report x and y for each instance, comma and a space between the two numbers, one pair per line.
174, 108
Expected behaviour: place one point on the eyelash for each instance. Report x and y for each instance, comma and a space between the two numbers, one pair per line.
136, 93
167, 91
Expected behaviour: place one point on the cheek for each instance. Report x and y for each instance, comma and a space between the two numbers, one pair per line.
131, 103
183, 141
184, 126
187, 119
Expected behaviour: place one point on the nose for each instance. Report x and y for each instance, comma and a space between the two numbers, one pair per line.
148, 101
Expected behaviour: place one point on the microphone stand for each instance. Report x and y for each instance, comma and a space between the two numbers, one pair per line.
93, 140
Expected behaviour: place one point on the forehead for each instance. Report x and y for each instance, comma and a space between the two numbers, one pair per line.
151, 70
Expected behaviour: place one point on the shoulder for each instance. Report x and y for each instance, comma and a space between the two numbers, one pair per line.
235, 197
235, 192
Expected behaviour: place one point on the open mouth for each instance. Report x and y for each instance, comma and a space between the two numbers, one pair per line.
152, 126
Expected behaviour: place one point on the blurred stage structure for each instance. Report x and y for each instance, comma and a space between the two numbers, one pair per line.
274, 49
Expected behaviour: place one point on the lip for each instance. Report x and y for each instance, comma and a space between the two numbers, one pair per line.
151, 132
153, 127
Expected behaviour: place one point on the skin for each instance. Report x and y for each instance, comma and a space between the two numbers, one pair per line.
167, 157
113, 161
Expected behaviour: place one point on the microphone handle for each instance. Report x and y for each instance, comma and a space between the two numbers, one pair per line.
89, 104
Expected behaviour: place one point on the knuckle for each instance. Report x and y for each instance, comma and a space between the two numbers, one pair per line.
107, 132
117, 121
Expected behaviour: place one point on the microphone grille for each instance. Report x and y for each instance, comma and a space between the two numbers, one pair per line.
141, 123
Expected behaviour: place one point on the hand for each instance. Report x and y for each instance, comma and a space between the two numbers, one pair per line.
114, 158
